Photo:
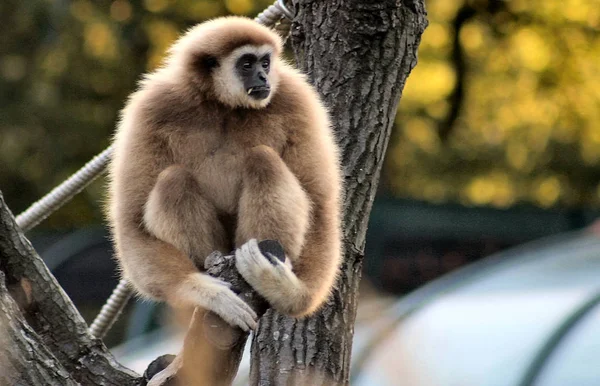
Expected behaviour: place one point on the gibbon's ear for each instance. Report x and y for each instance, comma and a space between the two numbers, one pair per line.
205, 63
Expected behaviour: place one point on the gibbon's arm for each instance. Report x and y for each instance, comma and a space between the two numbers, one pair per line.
153, 257
303, 288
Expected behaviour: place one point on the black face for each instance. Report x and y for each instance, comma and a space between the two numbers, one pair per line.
253, 71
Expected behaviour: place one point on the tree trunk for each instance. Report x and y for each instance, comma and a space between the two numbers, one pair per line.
358, 55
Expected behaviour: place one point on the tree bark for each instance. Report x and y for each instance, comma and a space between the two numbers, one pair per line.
43, 336
24, 360
358, 55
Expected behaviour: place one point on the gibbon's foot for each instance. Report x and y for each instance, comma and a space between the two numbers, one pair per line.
265, 272
156, 366
216, 295
272, 249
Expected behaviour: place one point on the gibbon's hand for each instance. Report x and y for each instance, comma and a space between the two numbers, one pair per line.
215, 295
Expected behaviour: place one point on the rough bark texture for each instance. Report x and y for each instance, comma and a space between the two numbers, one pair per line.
358, 54
21, 347
40, 322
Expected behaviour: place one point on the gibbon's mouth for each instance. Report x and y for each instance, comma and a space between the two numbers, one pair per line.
260, 92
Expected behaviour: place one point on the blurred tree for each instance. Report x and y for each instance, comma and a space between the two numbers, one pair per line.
504, 106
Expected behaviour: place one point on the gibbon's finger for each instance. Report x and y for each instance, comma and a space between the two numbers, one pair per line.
234, 310
216, 281
235, 297
212, 294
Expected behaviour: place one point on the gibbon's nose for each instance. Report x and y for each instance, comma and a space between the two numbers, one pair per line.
262, 76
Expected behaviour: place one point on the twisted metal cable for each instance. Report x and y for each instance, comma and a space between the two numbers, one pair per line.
64, 192
111, 309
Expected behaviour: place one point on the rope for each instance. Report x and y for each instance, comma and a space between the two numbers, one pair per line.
111, 309
278, 16
64, 192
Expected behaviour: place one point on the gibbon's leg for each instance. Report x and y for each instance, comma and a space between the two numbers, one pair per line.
178, 214
272, 204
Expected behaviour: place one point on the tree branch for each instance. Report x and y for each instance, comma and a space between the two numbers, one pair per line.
50, 313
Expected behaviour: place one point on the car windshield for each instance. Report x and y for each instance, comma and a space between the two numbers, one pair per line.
491, 328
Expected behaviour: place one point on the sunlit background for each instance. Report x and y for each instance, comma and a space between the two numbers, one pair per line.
496, 141
503, 107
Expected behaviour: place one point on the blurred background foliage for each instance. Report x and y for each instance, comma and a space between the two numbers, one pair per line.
502, 109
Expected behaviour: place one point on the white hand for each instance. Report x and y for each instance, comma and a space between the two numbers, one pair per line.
215, 295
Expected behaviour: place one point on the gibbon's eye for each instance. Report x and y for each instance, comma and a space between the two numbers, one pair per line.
247, 65
266, 63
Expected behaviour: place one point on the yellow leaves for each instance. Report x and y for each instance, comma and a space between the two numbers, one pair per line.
517, 155
472, 37
590, 144
156, 6
429, 82
12, 67
161, 34
547, 191
443, 10
531, 49
99, 41
102, 82
55, 62
532, 96
82, 10
574, 11
590, 152
571, 11
494, 189
120, 10
422, 132
204, 9
520, 5
436, 36
578, 10
239, 7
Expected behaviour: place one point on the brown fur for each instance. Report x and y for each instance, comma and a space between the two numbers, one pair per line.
192, 174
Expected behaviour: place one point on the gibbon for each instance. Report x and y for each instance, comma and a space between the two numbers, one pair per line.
223, 146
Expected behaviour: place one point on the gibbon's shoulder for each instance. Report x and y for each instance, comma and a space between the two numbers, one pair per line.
160, 100
297, 99
296, 93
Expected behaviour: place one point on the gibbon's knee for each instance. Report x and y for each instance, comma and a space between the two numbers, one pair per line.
176, 212
272, 205
263, 166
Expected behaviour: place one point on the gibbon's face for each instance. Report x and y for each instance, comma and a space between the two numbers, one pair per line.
246, 77
254, 71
